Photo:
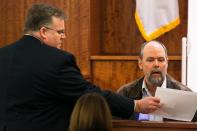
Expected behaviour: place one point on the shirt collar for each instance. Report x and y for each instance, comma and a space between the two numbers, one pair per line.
145, 91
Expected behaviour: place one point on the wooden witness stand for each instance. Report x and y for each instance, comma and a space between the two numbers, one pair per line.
130, 125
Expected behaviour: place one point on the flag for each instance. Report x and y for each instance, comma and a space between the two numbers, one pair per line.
155, 17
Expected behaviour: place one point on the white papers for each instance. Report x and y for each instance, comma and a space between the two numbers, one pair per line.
176, 104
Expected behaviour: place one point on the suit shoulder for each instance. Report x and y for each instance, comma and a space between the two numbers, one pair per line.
130, 87
57, 52
132, 84
6, 49
176, 84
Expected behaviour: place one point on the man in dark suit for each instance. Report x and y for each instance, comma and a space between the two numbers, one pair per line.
153, 61
40, 83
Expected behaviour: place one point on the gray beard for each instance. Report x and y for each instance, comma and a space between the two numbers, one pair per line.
156, 81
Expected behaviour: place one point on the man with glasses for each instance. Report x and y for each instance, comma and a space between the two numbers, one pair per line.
40, 83
55, 39
49, 31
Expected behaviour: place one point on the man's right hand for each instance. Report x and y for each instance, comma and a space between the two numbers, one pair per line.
147, 105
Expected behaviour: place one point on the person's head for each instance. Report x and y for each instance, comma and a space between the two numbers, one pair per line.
91, 113
47, 23
153, 62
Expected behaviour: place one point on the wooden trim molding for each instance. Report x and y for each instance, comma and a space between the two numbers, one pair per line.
102, 57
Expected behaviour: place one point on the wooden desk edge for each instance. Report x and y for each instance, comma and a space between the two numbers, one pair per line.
165, 124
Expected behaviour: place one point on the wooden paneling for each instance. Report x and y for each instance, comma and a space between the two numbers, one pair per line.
78, 32
119, 35
95, 26
11, 23
111, 74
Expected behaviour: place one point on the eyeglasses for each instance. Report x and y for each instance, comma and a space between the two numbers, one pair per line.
60, 32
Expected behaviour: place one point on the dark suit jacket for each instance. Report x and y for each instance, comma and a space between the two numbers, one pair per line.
134, 90
39, 86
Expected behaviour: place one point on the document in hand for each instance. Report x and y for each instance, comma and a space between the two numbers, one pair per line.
176, 104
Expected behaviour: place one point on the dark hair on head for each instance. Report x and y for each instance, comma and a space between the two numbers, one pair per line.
144, 44
91, 113
41, 15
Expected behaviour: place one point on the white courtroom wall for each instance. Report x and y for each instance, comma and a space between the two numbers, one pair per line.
192, 45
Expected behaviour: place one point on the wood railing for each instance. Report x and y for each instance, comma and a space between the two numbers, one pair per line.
129, 125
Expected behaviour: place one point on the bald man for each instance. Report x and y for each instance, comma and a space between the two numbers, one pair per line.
153, 61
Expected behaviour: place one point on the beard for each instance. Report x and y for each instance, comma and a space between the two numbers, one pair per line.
156, 80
